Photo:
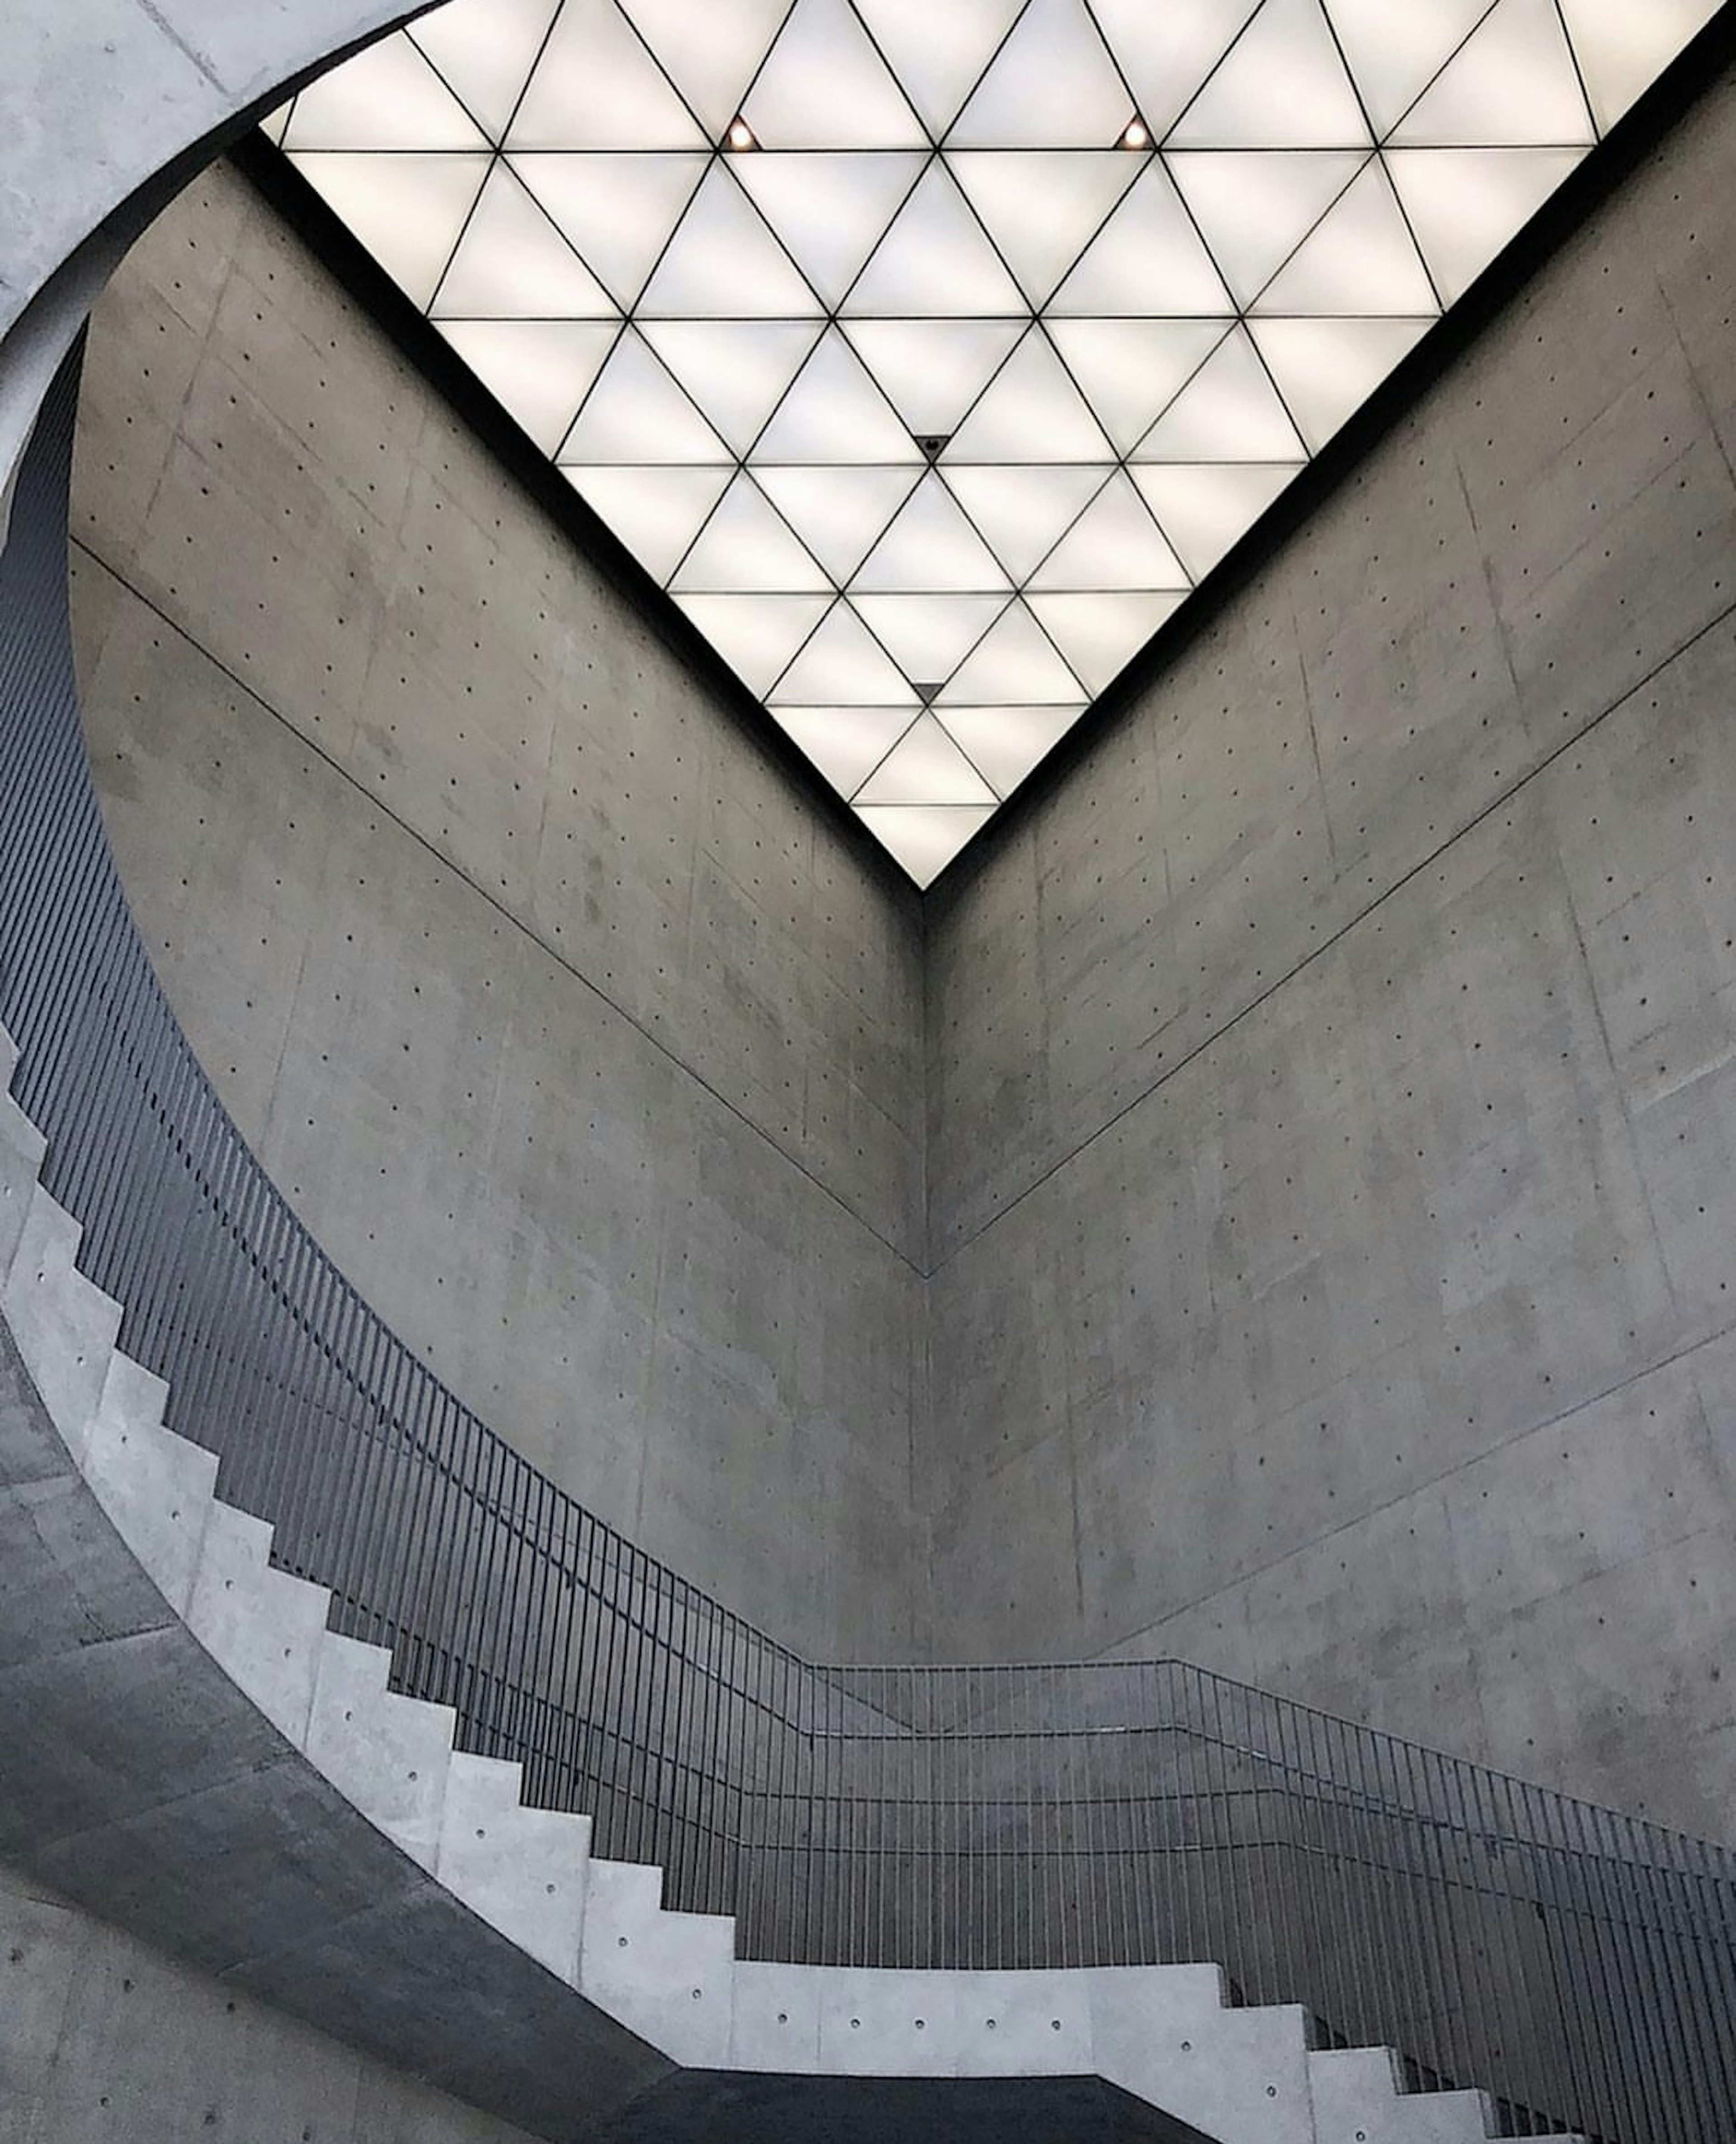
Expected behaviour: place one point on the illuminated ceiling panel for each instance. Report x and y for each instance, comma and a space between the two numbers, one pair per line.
929, 352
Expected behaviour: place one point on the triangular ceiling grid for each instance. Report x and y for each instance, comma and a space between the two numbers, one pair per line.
929, 353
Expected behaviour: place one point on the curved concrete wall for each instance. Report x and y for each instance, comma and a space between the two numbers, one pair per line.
582, 1040
1342, 1060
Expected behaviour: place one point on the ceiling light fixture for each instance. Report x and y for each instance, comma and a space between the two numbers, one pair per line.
740, 135
1137, 135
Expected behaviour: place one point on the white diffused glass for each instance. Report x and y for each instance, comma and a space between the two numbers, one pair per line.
1043, 208
1466, 204
1359, 258
834, 413
1511, 83
1030, 412
840, 513
657, 513
724, 264
407, 210
831, 210
846, 744
930, 545
924, 838
931, 371
825, 87
1326, 369
1014, 660
1100, 634
485, 49
1114, 544
845, 665
1228, 412
387, 97
1204, 511
596, 87
746, 544
617, 210
928, 636
1130, 370
538, 371
736, 370
1281, 86
1022, 510
755, 635
512, 264
935, 259
637, 414
1147, 260
1052, 86
926, 766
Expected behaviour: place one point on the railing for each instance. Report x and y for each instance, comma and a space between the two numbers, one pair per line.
1580, 1965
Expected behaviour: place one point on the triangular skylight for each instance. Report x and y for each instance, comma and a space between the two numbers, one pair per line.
930, 351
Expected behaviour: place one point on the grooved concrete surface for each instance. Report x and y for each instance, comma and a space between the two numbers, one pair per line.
586, 1046
1333, 1085
105, 2039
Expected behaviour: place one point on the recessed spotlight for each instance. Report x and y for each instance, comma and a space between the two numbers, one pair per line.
933, 445
740, 135
1137, 134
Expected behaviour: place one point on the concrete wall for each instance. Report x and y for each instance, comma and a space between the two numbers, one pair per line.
1333, 1085
585, 1044
103, 2041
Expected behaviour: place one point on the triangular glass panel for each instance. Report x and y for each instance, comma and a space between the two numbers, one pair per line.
846, 744
655, 512
935, 259
408, 209
931, 371
1359, 258
1052, 86
1030, 412
930, 545
1466, 204
1255, 207
928, 636
1014, 660
924, 838
1023, 511
835, 414
926, 766
723, 263
711, 54
757, 636
736, 370
1043, 207
1114, 544
635, 413
616, 208
1167, 51
939, 54
1512, 83
1328, 369
845, 665
1100, 634
512, 264
838, 513
1006, 743
1280, 86
1147, 260
596, 87
748, 545
539, 371
1130, 370
1228, 412
486, 49
275, 124
1204, 512
829, 208
1395, 52
1623, 47
385, 97
825, 87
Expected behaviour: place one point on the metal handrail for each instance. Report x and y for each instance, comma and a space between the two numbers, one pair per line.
1579, 1964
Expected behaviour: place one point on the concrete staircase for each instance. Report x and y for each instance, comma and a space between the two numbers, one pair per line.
1162, 2033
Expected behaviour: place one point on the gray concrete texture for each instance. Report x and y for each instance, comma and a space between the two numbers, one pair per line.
1332, 1175
102, 2037
580, 1039
1324, 1103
